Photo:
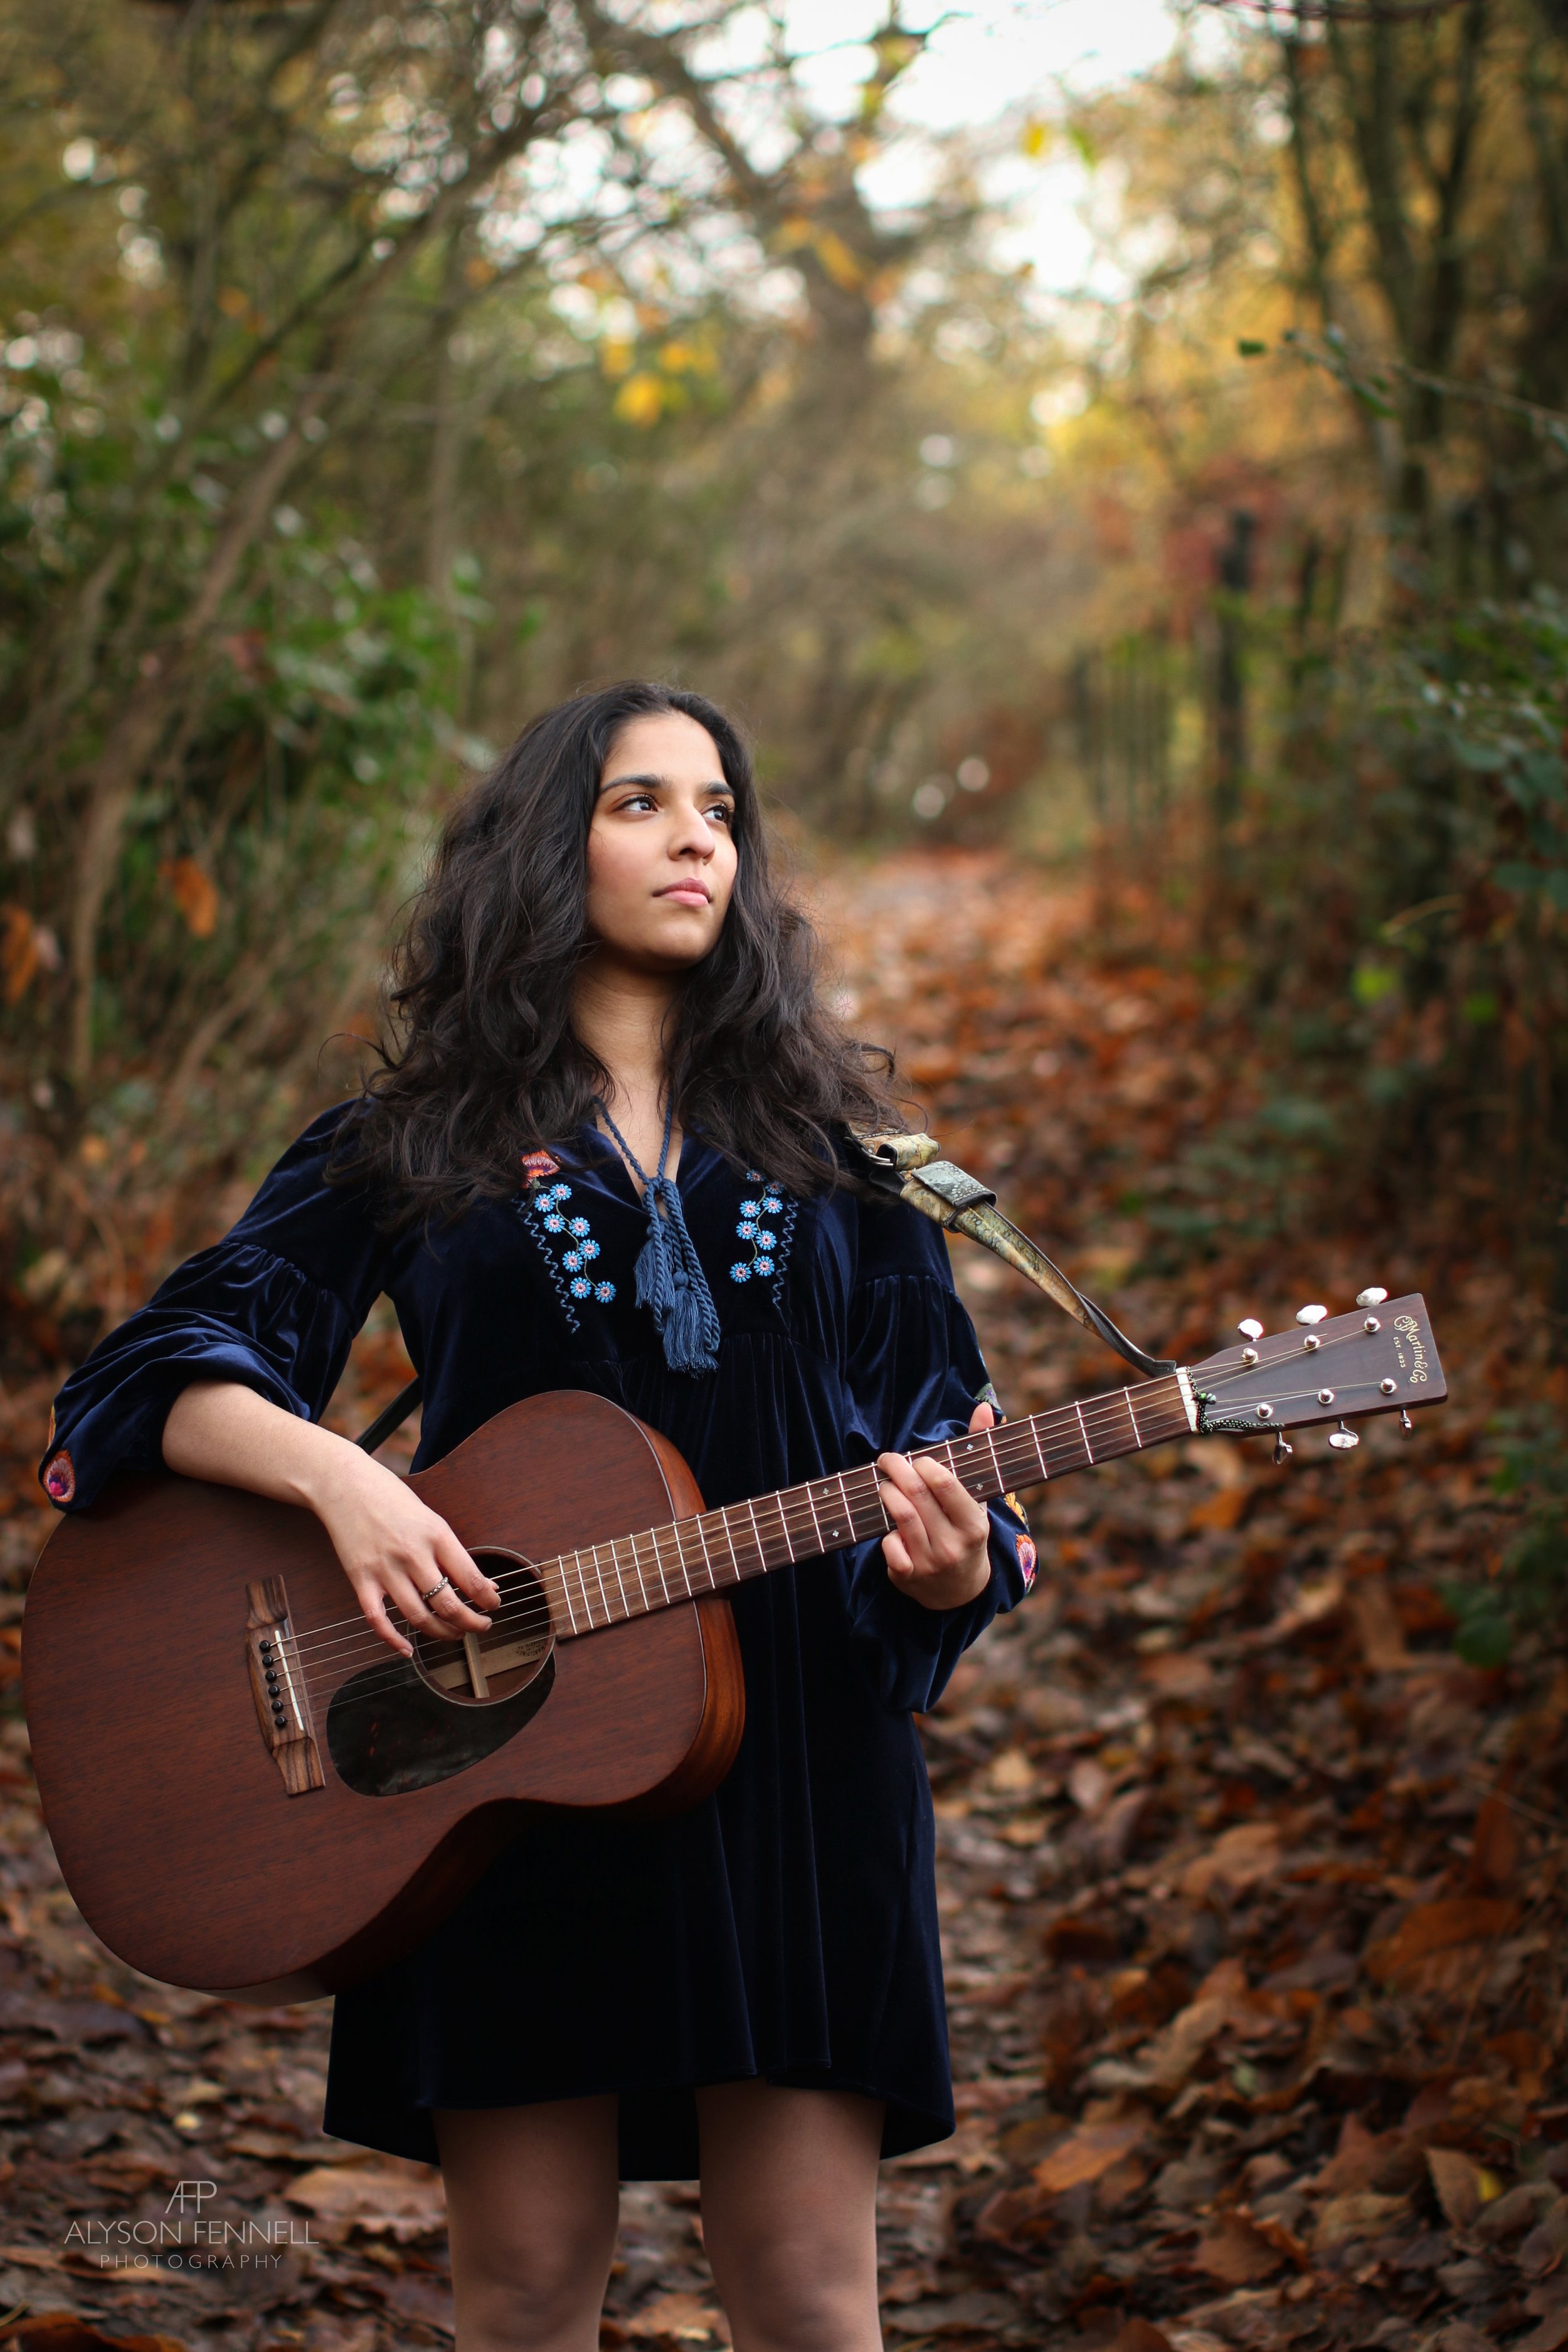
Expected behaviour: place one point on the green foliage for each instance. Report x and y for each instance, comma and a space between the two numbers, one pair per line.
1528, 1594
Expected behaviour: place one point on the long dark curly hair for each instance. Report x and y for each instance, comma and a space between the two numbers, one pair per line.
483, 1065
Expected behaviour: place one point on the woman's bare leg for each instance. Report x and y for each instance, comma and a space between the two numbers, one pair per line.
532, 2203
789, 2215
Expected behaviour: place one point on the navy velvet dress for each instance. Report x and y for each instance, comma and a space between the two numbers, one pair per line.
784, 1927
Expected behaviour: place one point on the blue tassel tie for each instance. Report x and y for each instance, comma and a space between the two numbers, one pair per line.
670, 1279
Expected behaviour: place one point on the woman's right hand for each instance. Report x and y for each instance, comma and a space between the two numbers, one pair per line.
391, 1546
394, 1549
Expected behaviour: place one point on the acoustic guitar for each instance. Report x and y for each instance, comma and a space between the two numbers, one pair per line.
250, 1794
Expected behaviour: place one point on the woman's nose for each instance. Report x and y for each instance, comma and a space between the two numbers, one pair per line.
695, 838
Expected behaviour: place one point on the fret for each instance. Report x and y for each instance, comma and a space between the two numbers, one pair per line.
658, 1565
679, 1533
971, 1447
826, 1514
637, 1565
843, 1527
786, 1502
868, 1518
786, 1551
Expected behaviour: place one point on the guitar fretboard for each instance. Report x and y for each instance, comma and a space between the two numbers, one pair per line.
609, 1582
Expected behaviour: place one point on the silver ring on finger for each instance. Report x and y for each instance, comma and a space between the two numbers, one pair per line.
426, 1597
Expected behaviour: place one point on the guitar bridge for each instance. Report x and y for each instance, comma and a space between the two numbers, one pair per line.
277, 1686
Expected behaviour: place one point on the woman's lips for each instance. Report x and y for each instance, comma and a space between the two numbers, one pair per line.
688, 894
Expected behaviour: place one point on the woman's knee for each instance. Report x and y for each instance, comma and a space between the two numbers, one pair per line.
788, 2290
531, 2205
527, 2297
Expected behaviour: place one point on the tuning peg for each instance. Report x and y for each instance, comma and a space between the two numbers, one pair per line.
1311, 1314
1406, 1426
1249, 1327
1370, 1297
1343, 1439
1283, 1450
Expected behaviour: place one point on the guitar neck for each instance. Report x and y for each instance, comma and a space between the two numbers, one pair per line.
609, 1582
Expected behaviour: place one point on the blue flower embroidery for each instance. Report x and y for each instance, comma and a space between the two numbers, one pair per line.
770, 1248
541, 1213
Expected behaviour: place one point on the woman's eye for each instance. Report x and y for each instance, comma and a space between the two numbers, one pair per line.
723, 812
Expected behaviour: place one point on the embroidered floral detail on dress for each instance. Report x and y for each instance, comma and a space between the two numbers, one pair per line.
59, 1478
568, 1244
538, 1165
1026, 1543
767, 1223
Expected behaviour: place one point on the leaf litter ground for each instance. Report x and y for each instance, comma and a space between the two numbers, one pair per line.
1253, 1895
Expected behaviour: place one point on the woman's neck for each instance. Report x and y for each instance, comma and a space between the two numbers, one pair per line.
621, 1016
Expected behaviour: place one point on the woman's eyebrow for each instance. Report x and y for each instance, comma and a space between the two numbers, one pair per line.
715, 784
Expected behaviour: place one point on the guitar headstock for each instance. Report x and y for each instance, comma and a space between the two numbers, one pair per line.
1381, 1358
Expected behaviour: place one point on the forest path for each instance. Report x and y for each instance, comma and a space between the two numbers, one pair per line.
1252, 1893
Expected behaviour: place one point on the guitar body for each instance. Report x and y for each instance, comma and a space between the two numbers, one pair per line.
178, 1835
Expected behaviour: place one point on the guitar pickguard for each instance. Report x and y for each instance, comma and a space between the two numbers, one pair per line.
389, 1732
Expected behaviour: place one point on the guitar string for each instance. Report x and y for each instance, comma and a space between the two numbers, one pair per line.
532, 1613
1218, 1370
510, 1621
358, 1630
535, 1617
800, 1525
1011, 1433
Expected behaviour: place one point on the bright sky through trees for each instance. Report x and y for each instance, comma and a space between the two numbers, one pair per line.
985, 63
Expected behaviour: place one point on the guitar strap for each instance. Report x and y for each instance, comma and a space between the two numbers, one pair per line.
910, 1167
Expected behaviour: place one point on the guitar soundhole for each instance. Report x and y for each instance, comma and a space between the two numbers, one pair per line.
391, 1729
487, 1667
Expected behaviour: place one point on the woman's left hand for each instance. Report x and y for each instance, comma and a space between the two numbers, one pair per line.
939, 1550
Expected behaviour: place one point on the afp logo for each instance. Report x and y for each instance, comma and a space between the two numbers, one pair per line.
190, 2196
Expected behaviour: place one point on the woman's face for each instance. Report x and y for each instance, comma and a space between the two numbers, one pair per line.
662, 846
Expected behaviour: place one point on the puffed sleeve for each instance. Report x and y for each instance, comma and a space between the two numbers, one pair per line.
275, 1305
916, 1373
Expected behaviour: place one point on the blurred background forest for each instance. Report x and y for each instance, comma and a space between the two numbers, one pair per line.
375, 371
1129, 512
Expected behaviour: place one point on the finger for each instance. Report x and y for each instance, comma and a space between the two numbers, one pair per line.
373, 1600
934, 1525
982, 1417
453, 1614
478, 1590
909, 1526
419, 1612
899, 1472
901, 1567
450, 1570
957, 1508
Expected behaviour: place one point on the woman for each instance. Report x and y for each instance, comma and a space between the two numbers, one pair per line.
613, 1082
